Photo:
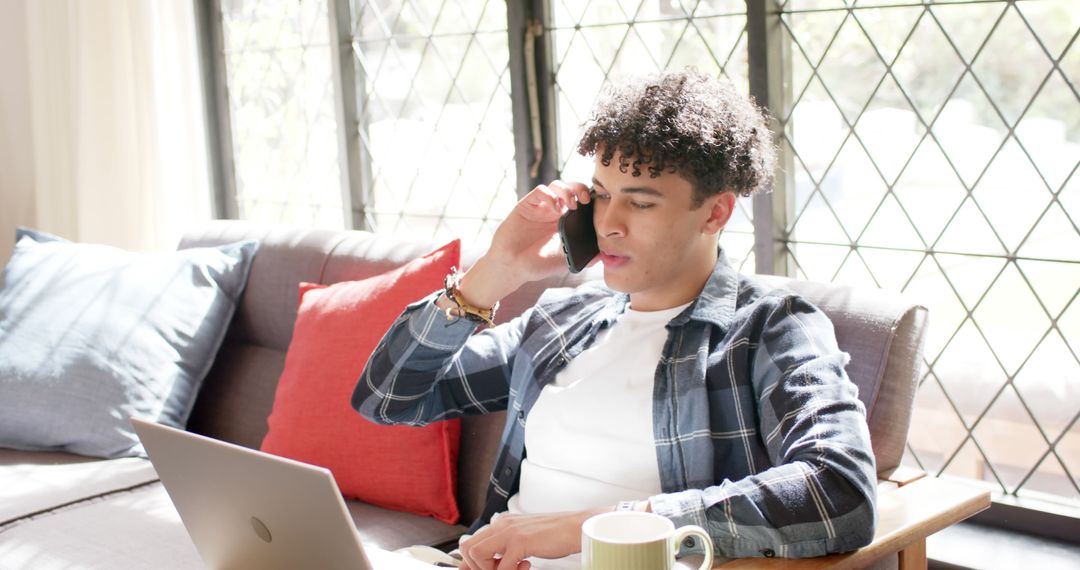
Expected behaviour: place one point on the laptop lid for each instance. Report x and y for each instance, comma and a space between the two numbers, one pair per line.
248, 509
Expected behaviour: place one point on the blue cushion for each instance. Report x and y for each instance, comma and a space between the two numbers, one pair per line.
92, 335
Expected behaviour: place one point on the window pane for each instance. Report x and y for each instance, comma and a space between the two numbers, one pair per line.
436, 120
281, 105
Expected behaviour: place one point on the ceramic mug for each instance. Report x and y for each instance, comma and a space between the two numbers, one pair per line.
629, 540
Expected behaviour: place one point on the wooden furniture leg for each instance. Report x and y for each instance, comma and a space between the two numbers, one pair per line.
914, 556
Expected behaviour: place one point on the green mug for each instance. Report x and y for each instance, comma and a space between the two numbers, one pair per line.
630, 540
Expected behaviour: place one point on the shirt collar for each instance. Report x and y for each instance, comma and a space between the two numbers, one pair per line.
715, 304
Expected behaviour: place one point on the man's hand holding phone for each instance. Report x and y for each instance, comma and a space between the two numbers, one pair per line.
526, 246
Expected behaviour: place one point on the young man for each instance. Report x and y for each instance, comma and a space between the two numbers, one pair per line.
677, 387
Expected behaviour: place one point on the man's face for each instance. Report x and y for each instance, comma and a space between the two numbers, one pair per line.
653, 245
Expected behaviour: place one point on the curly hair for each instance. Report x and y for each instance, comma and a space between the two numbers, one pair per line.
686, 123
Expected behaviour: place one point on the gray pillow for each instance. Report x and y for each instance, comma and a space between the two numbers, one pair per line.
92, 335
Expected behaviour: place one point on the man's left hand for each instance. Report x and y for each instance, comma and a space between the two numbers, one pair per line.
510, 539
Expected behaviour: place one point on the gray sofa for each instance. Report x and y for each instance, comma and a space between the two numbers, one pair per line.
63, 511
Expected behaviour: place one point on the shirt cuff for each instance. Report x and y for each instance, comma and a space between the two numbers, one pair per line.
683, 508
430, 327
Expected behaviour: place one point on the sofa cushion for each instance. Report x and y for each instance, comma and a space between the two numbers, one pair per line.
238, 394
98, 533
33, 482
337, 326
136, 528
92, 335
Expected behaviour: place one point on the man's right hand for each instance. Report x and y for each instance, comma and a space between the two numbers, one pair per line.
526, 245
527, 240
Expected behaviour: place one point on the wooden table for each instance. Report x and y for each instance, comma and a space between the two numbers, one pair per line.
907, 514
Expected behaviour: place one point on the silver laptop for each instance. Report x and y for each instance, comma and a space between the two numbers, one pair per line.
248, 509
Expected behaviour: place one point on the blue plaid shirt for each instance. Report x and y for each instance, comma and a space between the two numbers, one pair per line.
760, 436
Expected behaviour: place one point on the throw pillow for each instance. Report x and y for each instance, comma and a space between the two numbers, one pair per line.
337, 327
92, 335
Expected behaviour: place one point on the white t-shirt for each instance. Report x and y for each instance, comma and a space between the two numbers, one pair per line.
589, 438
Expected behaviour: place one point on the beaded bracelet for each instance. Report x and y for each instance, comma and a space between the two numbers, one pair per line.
452, 289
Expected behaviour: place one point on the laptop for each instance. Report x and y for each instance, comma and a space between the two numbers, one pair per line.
248, 509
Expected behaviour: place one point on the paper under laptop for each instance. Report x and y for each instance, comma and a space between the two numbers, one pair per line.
247, 509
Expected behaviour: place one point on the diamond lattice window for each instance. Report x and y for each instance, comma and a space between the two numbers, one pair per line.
935, 150
281, 106
435, 116
599, 41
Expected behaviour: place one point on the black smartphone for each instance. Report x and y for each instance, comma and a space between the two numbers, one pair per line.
579, 237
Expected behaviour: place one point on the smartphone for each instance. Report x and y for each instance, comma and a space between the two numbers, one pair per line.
579, 237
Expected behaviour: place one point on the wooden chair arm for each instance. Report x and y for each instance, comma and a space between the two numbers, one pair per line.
908, 514
903, 476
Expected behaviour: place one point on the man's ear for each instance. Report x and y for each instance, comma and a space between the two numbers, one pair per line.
720, 207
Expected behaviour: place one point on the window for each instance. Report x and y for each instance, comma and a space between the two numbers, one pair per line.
933, 149
929, 147
436, 132
281, 111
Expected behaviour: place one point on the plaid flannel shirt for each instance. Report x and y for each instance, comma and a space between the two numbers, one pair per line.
760, 436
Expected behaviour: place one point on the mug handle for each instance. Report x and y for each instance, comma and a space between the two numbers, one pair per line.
690, 530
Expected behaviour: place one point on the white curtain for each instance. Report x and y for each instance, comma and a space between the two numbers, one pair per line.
119, 140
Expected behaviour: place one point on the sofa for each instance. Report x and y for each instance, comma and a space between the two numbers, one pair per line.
62, 511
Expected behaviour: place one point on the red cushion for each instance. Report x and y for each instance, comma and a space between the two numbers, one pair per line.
404, 468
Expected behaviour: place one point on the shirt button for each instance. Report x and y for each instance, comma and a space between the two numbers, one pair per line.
688, 542
521, 414
508, 471
768, 553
